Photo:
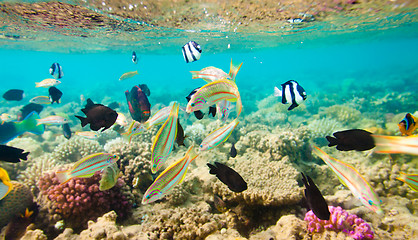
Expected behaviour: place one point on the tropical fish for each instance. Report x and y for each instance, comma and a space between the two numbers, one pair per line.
212, 110
170, 177
392, 144
224, 109
14, 95
88, 134
145, 89
233, 151
191, 51
54, 95
87, 166
219, 204
408, 125
134, 129
56, 71
198, 114
228, 176
5, 117
180, 134
44, 100
10, 130
315, 200
233, 70
121, 120
52, 120
291, 92
128, 75
352, 179
353, 139
29, 108
66, 130
410, 179
164, 140
98, 115
158, 118
12, 154
213, 93
139, 106
5, 185
109, 177
210, 74
134, 57
218, 136
49, 82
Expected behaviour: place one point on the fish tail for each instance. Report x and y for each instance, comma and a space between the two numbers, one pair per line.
411, 182
63, 176
37, 84
82, 119
191, 153
332, 141
233, 70
277, 92
195, 74
30, 124
213, 169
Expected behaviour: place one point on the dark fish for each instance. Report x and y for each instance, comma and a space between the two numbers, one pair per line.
17, 226
114, 105
315, 200
98, 115
54, 95
219, 204
27, 109
353, 139
180, 134
198, 114
56, 71
134, 57
228, 176
233, 152
14, 95
212, 110
10, 130
138, 104
145, 89
191, 51
66, 130
291, 92
12, 154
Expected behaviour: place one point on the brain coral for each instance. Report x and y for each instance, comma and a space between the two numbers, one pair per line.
80, 200
274, 185
75, 148
15, 202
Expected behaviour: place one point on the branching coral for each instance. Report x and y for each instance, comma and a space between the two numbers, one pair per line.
341, 113
340, 220
319, 128
80, 200
75, 148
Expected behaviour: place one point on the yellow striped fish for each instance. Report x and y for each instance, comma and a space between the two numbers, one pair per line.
41, 100
164, 140
213, 93
52, 120
392, 144
158, 118
128, 75
169, 178
218, 136
5, 185
410, 179
87, 166
352, 179
134, 129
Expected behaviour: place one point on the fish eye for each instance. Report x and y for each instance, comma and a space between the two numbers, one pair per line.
370, 202
192, 104
154, 165
148, 196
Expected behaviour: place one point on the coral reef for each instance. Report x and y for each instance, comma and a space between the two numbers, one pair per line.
80, 200
342, 113
340, 220
74, 149
319, 128
15, 202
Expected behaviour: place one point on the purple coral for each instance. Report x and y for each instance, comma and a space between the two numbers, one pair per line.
340, 220
80, 199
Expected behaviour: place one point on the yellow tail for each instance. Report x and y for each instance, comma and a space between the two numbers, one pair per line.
233, 70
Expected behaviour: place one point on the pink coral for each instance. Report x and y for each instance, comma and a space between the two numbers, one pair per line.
340, 220
80, 199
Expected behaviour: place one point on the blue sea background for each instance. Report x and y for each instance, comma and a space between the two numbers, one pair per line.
376, 63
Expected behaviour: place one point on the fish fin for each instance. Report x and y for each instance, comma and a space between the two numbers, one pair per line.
83, 120
213, 169
412, 183
30, 124
90, 103
277, 92
195, 74
5, 188
233, 70
332, 141
292, 106
24, 156
63, 176
239, 106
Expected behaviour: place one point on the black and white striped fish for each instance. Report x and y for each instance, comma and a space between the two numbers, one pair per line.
291, 92
191, 51
134, 57
56, 71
